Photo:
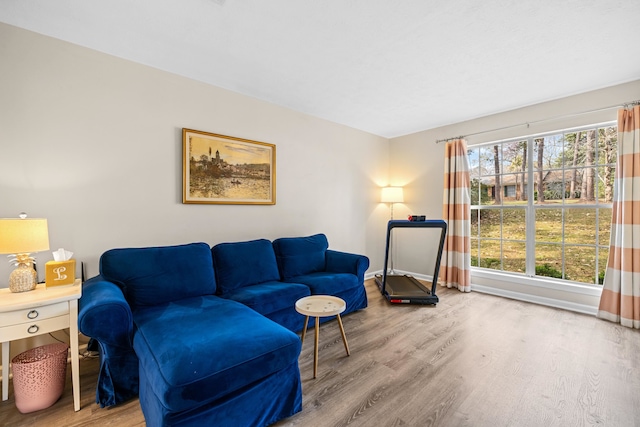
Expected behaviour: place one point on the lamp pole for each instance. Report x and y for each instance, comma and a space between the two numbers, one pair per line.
392, 195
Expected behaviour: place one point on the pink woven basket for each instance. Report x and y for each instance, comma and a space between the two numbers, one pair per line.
39, 376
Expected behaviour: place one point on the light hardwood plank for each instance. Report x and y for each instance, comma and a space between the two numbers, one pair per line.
472, 360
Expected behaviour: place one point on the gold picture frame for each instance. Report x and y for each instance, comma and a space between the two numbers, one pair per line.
220, 169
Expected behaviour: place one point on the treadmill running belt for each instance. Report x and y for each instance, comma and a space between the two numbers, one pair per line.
405, 285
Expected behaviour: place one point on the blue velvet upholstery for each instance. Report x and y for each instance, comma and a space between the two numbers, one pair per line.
307, 260
297, 256
173, 341
205, 334
242, 264
276, 397
150, 276
104, 314
247, 272
269, 297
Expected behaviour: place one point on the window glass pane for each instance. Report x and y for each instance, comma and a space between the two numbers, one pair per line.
487, 160
474, 252
510, 191
474, 191
514, 258
474, 222
485, 191
490, 223
605, 181
490, 167
573, 180
548, 155
480, 192
512, 183
587, 187
573, 148
553, 151
514, 156
474, 165
607, 145
604, 226
554, 186
549, 225
549, 260
603, 254
580, 226
538, 154
514, 224
538, 164
580, 263
490, 254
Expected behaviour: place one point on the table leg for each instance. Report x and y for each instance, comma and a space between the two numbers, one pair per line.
344, 337
304, 330
75, 357
315, 351
5, 370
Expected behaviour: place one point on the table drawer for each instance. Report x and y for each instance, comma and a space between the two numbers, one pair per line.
33, 328
34, 314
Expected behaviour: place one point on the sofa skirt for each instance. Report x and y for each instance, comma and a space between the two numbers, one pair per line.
262, 403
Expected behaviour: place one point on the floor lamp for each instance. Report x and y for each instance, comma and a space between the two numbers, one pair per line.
391, 195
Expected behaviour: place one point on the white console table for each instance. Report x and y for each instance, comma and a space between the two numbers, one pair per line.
37, 312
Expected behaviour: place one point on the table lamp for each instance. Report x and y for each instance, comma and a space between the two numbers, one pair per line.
19, 237
392, 195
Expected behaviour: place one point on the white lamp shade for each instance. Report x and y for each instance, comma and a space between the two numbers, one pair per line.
392, 195
19, 236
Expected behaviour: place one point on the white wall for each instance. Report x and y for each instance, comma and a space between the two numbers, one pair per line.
417, 162
93, 143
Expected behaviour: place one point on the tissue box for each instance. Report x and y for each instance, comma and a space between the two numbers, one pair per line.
59, 273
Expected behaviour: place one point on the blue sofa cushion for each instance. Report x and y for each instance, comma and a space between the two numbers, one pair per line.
324, 283
243, 264
156, 275
197, 350
300, 255
269, 297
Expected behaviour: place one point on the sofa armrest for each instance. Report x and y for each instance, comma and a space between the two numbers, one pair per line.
343, 262
104, 314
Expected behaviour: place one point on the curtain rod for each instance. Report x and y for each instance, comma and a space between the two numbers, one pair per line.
625, 105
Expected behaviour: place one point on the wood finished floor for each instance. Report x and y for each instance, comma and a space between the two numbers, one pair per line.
472, 360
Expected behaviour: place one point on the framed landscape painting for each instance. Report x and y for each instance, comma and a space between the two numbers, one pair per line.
219, 169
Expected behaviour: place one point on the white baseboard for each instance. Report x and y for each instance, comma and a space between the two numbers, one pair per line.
535, 299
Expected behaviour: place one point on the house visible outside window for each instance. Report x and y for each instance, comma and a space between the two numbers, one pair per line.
542, 204
510, 190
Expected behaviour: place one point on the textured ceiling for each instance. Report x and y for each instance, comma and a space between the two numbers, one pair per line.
383, 66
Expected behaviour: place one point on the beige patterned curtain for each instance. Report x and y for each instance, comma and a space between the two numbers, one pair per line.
620, 300
455, 269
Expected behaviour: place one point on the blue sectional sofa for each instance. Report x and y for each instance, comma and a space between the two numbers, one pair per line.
206, 336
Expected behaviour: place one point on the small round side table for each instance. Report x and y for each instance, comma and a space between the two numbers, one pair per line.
321, 306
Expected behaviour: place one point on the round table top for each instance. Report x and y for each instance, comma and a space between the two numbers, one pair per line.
320, 305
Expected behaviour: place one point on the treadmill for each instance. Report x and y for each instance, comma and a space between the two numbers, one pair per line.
406, 289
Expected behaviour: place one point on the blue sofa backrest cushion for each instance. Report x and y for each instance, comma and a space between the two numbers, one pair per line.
298, 256
243, 264
151, 276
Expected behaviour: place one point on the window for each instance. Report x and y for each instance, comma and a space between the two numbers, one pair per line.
510, 190
541, 205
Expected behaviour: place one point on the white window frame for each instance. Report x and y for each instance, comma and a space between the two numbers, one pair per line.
529, 278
